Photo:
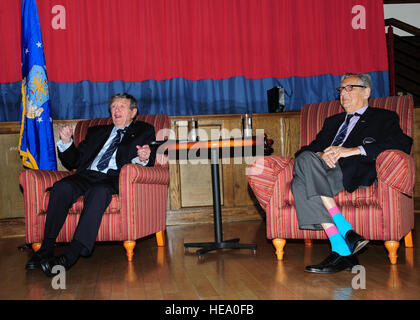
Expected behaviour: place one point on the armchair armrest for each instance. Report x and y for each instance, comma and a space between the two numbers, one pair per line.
40, 180
135, 173
34, 184
396, 169
263, 174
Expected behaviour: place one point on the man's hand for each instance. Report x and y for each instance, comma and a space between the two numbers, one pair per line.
333, 153
143, 152
66, 132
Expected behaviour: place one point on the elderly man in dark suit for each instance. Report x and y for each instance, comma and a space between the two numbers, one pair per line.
98, 160
342, 157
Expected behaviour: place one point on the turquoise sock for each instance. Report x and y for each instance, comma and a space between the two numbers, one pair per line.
338, 244
341, 223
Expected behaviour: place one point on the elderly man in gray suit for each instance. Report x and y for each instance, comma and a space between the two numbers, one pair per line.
342, 157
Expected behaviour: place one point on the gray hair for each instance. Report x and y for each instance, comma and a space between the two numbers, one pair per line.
364, 78
133, 101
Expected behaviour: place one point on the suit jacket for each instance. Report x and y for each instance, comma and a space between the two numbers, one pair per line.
377, 130
80, 157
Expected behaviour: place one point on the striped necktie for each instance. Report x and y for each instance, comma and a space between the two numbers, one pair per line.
106, 157
339, 138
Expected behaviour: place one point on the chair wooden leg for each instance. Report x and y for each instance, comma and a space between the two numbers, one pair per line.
129, 248
160, 238
36, 246
392, 247
408, 239
279, 245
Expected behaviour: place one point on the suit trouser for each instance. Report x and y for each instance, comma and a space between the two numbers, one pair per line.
97, 189
312, 178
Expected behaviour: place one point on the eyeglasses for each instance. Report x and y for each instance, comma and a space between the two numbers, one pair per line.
349, 87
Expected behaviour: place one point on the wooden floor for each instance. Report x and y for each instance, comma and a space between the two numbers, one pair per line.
171, 274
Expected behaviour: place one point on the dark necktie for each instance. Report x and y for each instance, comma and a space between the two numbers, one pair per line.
104, 161
339, 138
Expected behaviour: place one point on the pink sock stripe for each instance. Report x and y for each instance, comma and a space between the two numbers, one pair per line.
333, 211
331, 231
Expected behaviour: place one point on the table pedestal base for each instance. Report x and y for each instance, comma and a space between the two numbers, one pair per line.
227, 244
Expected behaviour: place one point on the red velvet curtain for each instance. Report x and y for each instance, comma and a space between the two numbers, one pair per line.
136, 40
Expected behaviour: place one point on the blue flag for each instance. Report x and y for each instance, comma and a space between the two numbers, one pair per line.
36, 145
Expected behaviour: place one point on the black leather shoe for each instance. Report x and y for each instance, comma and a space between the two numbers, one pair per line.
37, 257
47, 265
334, 263
355, 241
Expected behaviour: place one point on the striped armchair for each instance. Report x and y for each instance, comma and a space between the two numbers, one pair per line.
383, 211
137, 211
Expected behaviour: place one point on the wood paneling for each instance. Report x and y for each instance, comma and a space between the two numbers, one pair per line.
11, 199
195, 175
174, 197
283, 128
